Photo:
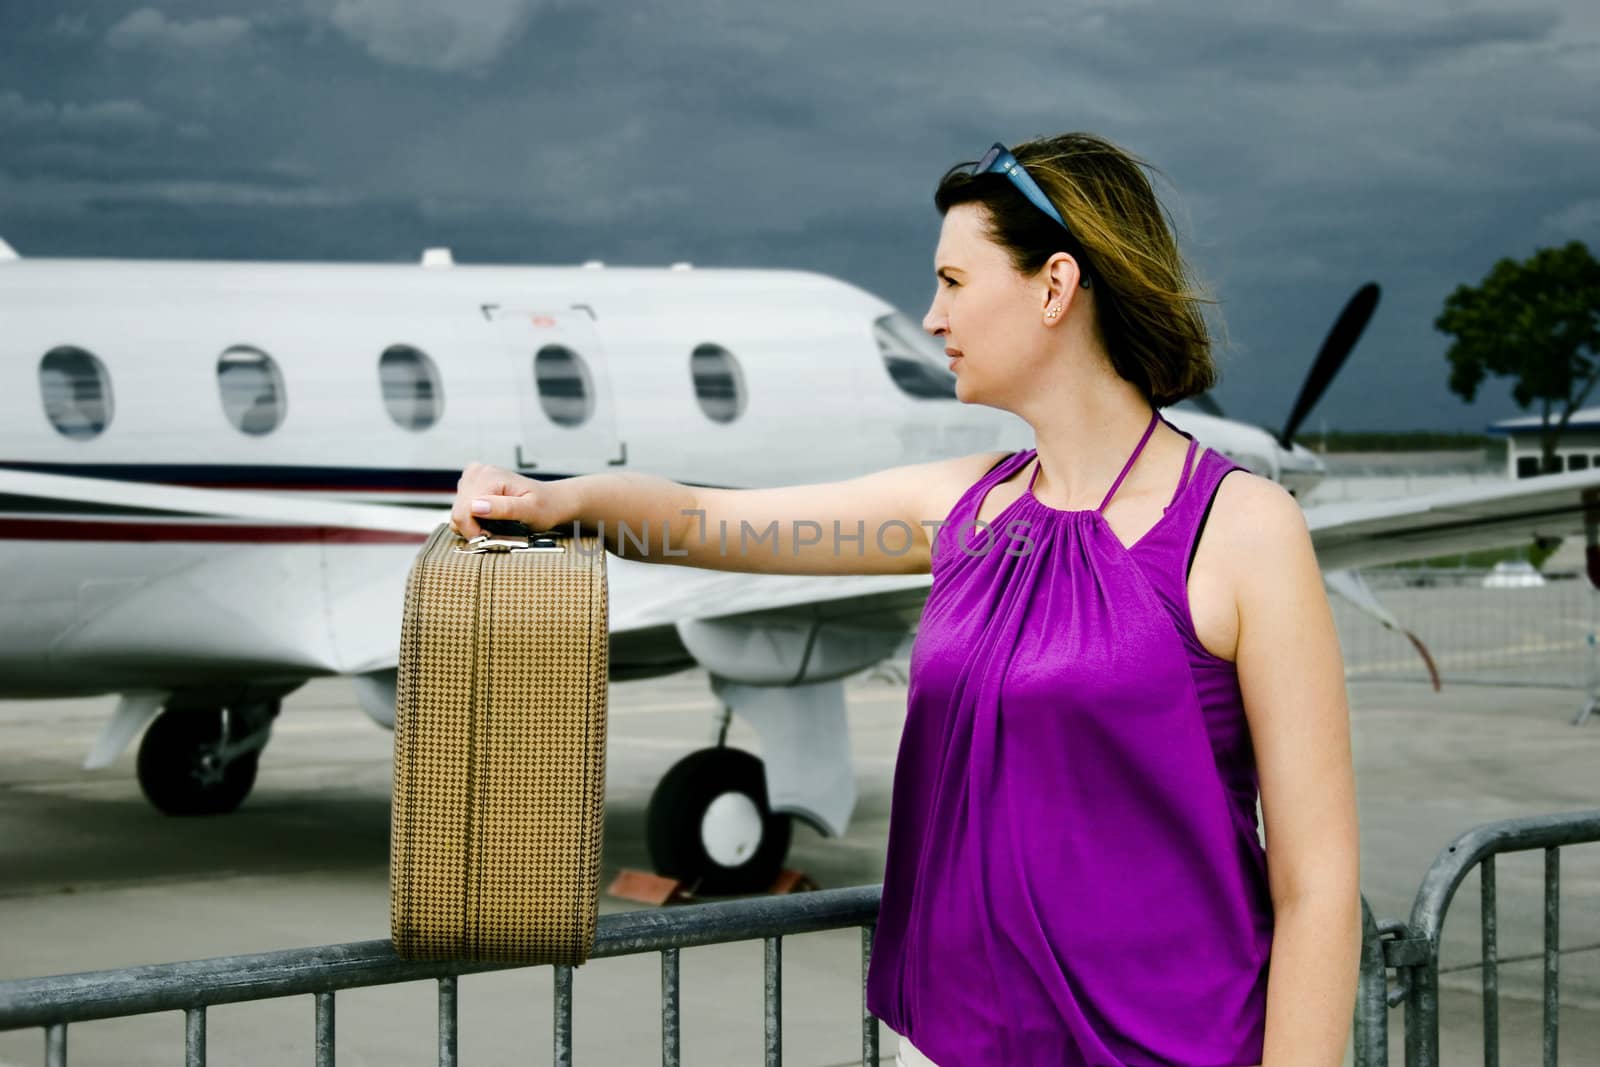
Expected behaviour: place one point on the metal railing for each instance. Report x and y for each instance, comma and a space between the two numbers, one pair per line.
1409, 948
55, 1003
1418, 952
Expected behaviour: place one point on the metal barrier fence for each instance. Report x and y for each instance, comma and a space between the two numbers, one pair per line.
1478, 848
54, 1003
1411, 949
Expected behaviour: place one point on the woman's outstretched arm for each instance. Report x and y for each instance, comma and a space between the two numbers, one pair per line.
879, 523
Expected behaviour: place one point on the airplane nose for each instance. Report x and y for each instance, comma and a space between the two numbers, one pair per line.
1302, 458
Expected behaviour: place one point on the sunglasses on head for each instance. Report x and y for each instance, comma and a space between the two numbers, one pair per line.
1000, 160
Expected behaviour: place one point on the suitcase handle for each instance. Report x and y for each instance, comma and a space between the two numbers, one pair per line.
508, 535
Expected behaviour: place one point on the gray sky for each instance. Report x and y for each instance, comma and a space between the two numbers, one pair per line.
1308, 148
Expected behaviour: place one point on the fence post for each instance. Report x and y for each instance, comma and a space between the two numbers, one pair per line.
1371, 1024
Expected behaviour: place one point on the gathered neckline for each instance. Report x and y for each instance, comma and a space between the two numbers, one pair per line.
1092, 514
1192, 473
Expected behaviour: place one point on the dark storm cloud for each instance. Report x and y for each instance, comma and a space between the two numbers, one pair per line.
1289, 44
1305, 149
149, 28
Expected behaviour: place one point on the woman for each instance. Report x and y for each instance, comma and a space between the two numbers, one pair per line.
1098, 691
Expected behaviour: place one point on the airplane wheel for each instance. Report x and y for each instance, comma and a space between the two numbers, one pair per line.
708, 824
181, 768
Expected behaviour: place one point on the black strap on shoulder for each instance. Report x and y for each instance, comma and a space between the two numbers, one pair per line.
1200, 527
997, 463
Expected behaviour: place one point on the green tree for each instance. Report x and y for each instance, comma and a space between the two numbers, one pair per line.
1537, 322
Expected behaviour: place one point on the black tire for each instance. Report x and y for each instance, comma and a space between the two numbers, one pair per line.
172, 765
678, 806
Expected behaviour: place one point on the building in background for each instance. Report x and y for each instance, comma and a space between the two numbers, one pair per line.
1578, 449
1387, 475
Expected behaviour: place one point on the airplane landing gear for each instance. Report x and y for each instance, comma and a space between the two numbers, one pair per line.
202, 761
709, 825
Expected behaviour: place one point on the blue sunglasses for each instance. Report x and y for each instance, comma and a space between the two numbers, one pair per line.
1000, 160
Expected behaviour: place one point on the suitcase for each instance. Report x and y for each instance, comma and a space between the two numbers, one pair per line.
499, 749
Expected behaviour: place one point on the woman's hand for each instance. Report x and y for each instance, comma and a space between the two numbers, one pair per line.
486, 492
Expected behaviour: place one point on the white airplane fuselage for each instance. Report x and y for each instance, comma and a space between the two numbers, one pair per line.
103, 600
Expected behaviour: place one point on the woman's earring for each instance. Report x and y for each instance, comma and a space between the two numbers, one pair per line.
1055, 309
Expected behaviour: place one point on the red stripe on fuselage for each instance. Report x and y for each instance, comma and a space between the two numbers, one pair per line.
196, 533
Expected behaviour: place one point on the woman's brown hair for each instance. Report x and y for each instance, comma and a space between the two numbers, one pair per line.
1147, 306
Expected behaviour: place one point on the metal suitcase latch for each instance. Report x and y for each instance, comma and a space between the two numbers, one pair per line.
505, 536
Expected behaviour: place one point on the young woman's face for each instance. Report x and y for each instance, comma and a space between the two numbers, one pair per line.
985, 313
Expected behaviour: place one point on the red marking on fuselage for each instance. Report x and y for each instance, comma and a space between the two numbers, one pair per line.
196, 533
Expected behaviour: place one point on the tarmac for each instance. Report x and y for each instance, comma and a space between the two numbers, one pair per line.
92, 878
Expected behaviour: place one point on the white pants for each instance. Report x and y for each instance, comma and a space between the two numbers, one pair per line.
908, 1056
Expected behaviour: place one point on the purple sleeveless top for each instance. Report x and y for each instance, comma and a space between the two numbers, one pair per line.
1073, 873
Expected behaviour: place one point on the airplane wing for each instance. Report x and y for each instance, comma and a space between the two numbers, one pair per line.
651, 600
245, 608
657, 595
1370, 533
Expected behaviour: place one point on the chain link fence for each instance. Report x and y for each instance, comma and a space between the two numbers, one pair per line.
1506, 625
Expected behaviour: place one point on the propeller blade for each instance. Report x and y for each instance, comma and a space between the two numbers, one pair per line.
1206, 403
1335, 350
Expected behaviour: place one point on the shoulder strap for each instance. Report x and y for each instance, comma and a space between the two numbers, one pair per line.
1197, 498
1183, 475
1155, 416
998, 463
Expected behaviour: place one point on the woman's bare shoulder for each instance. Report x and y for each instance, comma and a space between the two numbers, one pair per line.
942, 482
1257, 522
1246, 500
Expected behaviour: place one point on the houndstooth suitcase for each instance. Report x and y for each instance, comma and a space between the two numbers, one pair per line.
499, 749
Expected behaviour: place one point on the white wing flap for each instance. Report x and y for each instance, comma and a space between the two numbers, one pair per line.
1371, 533
644, 595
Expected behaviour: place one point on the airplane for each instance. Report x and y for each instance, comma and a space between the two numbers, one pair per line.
214, 477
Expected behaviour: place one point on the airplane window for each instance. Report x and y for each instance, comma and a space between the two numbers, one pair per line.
252, 390
1578, 462
76, 392
563, 383
718, 384
410, 387
915, 361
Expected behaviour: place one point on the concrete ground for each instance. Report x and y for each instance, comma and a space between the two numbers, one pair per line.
90, 878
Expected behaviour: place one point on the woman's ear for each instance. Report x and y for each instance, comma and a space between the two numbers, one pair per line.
1061, 276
